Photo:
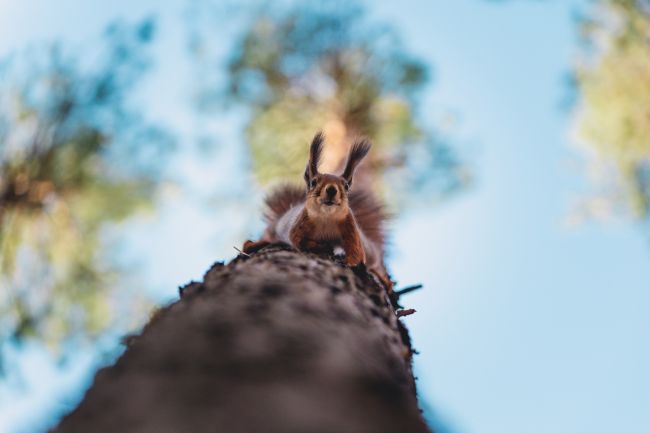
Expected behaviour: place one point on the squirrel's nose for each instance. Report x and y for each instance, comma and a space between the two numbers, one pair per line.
331, 191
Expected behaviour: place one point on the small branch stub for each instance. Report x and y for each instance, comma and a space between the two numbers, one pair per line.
403, 313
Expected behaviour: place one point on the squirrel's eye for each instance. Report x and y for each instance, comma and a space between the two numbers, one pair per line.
312, 183
347, 186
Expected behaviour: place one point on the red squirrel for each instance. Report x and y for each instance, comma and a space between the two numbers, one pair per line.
328, 217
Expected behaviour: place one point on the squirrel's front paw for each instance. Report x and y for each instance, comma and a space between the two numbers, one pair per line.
354, 262
250, 247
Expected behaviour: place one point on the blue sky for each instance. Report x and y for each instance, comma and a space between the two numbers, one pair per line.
526, 324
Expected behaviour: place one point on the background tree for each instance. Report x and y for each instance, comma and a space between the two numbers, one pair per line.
73, 159
613, 117
303, 66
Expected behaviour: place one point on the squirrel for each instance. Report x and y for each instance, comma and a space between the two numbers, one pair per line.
328, 217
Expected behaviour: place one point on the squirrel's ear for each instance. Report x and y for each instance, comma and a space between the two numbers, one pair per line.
358, 151
315, 151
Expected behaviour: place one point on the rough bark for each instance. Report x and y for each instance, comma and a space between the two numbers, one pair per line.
280, 342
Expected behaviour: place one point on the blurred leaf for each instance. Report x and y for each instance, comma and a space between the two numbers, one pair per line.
74, 158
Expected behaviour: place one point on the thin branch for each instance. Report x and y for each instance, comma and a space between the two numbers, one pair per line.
408, 289
241, 252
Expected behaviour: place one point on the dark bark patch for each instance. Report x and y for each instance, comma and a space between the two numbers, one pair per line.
335, 290
376, 299
273, 290
385, 389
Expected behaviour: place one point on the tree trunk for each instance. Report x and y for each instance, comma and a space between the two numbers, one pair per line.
280, 342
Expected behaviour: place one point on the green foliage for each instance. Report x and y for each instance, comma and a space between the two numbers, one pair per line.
321, 65
614, 85
73, 160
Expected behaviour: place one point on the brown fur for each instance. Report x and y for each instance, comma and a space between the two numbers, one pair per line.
355, 253
368, 211
325, 216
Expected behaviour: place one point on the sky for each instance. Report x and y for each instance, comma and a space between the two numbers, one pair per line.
525, 323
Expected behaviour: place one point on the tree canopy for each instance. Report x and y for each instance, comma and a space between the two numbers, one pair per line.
74, 158
307, 66
613, 118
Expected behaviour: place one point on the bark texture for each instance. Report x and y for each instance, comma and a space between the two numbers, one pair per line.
280, 342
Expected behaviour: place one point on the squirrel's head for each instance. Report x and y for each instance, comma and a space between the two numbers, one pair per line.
328, 193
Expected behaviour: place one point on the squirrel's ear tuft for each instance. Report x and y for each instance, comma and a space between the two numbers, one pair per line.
359, 150
315, 151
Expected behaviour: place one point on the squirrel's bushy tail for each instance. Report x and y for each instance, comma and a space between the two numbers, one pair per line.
281, 199
369, 213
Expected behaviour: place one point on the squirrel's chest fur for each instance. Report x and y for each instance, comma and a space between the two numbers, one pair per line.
316, 231
322, 226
